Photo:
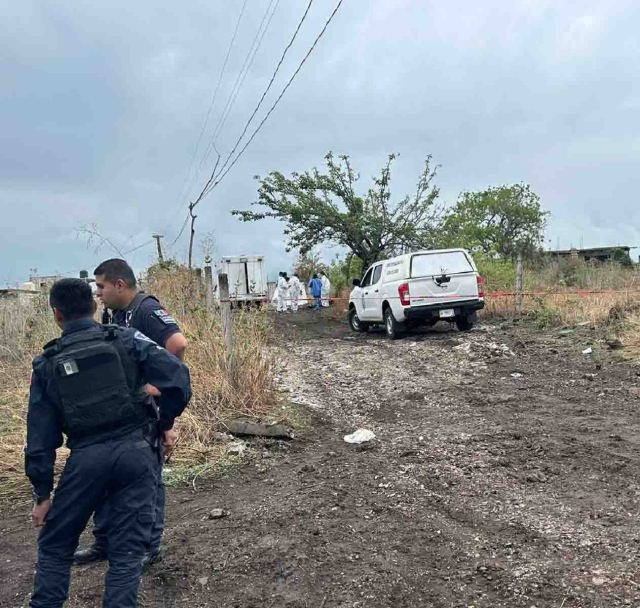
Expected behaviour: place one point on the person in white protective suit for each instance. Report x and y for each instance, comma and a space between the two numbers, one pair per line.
287, 298
326, 289
294, 292
282, 292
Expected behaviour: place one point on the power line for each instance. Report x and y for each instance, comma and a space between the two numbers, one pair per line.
76, 271
202, 163
224, 172
182, 192
138, 247
251, 55
257, 108
244, 70
184, 225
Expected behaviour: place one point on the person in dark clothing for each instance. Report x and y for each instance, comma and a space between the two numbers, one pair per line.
315, 286
117, 289
89, 385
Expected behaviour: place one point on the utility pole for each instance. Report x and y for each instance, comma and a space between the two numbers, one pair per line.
193, 232
158, 237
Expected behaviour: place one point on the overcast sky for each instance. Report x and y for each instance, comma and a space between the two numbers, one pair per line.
101, 106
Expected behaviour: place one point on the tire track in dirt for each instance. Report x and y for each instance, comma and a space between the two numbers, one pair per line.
481, 489
502, 454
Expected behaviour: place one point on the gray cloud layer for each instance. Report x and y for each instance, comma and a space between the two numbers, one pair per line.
101, 106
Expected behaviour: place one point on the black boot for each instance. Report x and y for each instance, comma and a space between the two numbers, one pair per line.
88, 556
152, 557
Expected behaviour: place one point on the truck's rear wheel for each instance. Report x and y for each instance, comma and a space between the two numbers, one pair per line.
464, 323
356, 324
391, 326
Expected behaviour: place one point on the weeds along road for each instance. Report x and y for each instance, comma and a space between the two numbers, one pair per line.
504, 473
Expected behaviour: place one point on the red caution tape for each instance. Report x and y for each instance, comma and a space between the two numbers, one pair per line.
495, 294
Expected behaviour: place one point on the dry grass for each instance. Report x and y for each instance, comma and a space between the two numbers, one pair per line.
629, 332
224, 386
25, 325
560, 305
243, 384
562, 308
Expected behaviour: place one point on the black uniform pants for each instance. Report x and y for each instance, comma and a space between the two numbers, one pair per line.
126, 470
102, 518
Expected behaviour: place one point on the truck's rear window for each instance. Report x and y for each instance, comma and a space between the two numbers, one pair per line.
432, 264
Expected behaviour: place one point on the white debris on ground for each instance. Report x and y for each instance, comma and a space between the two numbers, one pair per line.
237, 448
482, 348
360, 436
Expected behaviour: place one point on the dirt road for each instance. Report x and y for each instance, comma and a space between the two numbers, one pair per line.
504, 473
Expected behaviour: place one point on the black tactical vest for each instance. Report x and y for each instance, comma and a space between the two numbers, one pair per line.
98, 382
129, 317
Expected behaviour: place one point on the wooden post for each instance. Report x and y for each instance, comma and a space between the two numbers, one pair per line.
519, 273
225, 308
158, 238
208, 282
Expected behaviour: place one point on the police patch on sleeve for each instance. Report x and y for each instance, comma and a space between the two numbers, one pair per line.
165, 317
140, 336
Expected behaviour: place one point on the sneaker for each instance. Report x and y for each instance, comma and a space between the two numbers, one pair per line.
89, 556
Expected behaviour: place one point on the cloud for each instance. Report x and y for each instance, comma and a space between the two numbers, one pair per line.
102, 105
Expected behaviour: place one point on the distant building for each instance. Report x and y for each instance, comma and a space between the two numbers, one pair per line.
18, 294
43, 283
595, 254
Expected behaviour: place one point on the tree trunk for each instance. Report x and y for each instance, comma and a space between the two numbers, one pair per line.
348, 268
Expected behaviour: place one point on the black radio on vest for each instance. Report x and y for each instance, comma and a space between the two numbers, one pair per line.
107, 318
99, 385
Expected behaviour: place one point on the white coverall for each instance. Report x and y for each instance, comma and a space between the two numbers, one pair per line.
282, 292
326, 290
294, 289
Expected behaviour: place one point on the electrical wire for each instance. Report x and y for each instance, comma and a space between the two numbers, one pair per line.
242, 74
76, 271
182, 192
251, 55
184, 225
224, 172
257, 108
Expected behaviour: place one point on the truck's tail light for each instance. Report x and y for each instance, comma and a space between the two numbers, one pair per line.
480, 287
403, 292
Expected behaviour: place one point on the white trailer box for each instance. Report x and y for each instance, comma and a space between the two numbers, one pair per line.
247, 277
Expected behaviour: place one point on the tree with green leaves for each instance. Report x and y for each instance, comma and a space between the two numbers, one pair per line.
622, 257
324, 207
308, 264
500, 221
343, 270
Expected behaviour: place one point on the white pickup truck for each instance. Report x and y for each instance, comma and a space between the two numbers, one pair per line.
419, 288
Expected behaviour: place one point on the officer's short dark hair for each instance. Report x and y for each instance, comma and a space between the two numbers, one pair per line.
73, 298
115, 269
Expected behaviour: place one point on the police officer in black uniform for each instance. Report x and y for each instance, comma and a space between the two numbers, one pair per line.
90, 386
117, 289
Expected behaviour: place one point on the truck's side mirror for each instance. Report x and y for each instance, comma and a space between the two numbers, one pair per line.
356, 282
